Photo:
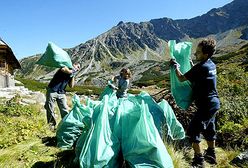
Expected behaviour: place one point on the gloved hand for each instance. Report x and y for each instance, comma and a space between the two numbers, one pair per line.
174, 64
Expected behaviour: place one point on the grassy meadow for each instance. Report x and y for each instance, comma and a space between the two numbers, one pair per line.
26, 141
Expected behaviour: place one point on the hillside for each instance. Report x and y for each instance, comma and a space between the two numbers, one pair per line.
136, 45
27, 142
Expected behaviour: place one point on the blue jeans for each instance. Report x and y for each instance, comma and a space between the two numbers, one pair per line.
51, 97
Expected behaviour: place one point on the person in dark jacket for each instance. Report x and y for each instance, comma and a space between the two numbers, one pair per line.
203, 79
56, 93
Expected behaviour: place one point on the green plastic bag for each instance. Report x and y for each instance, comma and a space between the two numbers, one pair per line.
162, 113
126, 128
174, 127
181, 91
73, 124
55, 57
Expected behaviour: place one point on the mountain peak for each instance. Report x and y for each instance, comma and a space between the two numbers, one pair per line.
131, 44
121, 22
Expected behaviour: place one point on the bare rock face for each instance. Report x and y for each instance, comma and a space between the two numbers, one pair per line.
26, 96
131, 44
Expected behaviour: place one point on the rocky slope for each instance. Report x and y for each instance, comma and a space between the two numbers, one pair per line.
134, 44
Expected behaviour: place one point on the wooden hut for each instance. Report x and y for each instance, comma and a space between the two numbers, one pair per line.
8, 63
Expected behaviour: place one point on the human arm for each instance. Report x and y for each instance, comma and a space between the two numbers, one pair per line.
72, 72
191, 62
111, 83
175, 66
115, 78
72, 82
76, 68
179, 75
66, 70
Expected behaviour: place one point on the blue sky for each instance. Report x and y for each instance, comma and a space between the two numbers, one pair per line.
28, 25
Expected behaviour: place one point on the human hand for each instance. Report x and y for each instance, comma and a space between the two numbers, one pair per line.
174, 64
76, 67
111, 85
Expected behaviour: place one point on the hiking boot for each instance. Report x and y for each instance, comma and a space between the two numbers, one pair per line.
209, 156
198, 161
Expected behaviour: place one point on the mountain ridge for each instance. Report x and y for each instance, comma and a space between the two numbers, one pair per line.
128, 44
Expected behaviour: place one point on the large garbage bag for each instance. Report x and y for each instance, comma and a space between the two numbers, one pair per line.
74, 124
125, 129
56, 57
181, 91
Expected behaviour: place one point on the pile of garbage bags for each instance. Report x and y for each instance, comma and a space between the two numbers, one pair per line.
110, 131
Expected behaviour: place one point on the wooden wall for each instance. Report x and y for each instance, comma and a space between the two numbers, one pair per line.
6, 73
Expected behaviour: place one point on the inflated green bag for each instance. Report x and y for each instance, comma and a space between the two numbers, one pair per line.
73, 125
108, 130
181, 91
56, 57
124, 126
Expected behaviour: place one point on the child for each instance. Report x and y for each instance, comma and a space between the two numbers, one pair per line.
123, 83
203, 79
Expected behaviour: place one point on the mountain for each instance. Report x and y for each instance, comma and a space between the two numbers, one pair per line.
142, 46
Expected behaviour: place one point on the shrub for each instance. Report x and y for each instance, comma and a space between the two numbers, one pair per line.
232, 88
18, 123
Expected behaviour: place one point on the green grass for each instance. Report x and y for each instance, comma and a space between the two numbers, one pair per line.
22, 128
23, 137
183, 157
19, 123
153, 76
39, 86
27, 154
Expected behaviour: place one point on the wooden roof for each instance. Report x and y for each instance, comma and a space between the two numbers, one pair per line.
10, 57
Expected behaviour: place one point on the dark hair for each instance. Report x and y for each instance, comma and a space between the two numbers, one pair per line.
208, 46
126, 70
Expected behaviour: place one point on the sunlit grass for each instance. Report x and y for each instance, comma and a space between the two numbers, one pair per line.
183, 157
22, 128
26, 154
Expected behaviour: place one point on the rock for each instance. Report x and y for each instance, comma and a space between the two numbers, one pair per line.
26, 96
241, 160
